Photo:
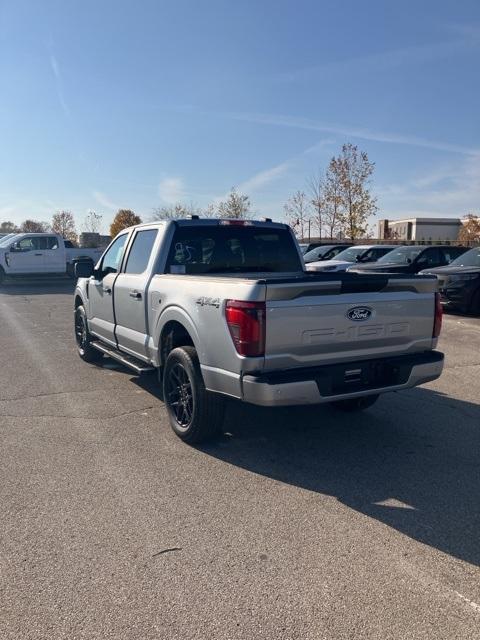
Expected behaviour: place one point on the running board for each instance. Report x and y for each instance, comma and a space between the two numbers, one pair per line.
129, 361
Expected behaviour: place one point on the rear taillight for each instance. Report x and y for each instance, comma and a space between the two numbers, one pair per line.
246, 322
437, 323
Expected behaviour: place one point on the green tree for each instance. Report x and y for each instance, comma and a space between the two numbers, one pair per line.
124, 218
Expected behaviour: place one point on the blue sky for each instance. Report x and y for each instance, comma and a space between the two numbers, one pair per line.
136, 104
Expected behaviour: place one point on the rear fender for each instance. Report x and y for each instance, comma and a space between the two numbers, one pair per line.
173, 314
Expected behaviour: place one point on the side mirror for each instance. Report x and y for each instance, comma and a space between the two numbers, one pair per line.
358, 258
409, 261
83, 269
14, 247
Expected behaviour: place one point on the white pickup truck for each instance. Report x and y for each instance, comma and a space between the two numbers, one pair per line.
41, 254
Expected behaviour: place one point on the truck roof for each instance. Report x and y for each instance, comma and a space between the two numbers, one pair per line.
40, 234
210, 222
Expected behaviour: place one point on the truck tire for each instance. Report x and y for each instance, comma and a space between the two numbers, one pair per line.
83, 338
195, 414
356, 404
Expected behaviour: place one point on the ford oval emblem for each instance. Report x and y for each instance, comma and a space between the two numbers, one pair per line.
359, 314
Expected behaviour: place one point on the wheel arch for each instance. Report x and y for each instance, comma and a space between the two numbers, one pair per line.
175, 329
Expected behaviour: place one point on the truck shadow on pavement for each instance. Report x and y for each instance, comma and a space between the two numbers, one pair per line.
411, 462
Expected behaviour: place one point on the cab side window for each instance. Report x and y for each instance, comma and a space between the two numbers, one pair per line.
112, 259
140, 251
27, 244
51, 242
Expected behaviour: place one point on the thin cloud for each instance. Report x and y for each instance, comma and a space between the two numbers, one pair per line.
171, 190
381, 61
350, 132
104, 200
448, 191
465, 38
265, 177
59, 84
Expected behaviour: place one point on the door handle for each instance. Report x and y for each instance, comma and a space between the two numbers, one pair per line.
136, 295
39, 254
107, 290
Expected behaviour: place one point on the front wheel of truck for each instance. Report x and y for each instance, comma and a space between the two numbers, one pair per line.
83, 338
356, 404
195, 414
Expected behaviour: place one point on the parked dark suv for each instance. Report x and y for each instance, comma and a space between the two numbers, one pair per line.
412, 259
459, 282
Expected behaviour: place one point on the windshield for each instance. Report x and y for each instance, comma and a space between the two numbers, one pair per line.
6, 240
233, 249
316, 253
402, 255
350, 254
469, 259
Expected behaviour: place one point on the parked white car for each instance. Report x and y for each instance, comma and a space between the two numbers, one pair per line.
347, 257
41, 254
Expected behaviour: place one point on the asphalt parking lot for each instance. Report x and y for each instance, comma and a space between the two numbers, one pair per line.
297, 524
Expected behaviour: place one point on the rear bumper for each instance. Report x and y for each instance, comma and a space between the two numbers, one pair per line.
338, 382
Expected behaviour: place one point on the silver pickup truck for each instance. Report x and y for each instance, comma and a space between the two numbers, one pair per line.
225, 308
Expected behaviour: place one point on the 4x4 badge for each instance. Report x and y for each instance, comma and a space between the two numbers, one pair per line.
208, 302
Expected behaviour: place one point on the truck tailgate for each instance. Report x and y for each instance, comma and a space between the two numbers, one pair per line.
347, 318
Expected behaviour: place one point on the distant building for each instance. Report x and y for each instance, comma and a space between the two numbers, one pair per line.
88, 239
417, 229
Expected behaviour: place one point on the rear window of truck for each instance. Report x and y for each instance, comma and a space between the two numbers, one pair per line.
230, 249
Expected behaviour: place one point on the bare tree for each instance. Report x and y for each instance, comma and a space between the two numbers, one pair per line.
316, 191
297, 212
34, 226
92, 222
63, 223
332, 201
176, 211
237, 205
353, 169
